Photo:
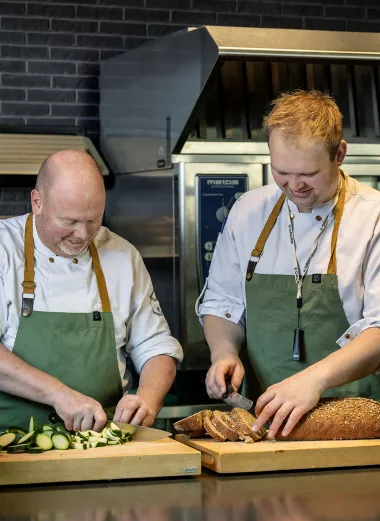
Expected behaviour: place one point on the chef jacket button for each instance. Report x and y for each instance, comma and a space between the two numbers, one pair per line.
51, 259
347, 336
25, 313
292, 216
319, 218
75, 261
228, 315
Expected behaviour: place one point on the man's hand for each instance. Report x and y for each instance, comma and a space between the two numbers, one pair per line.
289, 399
228, 366
136, 410
78, 411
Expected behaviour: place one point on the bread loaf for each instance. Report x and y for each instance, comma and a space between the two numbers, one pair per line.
338, 419
193, 423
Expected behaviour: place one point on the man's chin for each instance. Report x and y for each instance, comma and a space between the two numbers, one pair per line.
72, 252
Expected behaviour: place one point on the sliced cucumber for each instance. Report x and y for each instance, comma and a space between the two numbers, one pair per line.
101, 444
18, 448
27, 438
78, 446
17, 430
33, 425
81, 435
112, 442
46, 427
94, 439
60, 441
7, 439
115, 428
49, 433
44, 441
35, 450
95, 434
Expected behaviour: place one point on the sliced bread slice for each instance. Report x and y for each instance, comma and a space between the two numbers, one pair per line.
193, 423
223, 424
243, 421
195, 434
211, 429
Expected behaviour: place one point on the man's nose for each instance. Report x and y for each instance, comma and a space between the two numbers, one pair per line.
295, 183
80, 232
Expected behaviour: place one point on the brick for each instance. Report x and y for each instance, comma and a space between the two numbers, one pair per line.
363, 3
229, 6
145, 15
92, 125
75, 110
239, 20
49, 67
362, 26
258, 7
12, 121
100, 13
122, 28
324, 2
57, 11
345, 12
12, 8
191, 17
24, 51
129, 43
12, 37
123, 3
302, 10
282, 22
13, 208
12, 66
161, 30
51, 39
105, 55
12, 94
373, 14
325, 24
51, 122
100, 41
91, 97
25, 109
25, 24
51, 96
15, 195
73, 54
88, 69
75, 82
25, 80
71, 26
169, 4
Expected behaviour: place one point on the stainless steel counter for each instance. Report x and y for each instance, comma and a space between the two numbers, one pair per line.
349, 495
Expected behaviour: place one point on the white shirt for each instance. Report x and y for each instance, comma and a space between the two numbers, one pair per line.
358, 253
63, 286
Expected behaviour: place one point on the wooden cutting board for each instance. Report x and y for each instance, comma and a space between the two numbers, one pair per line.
265, 456
144, 459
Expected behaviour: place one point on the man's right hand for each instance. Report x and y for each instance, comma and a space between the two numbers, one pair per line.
78, 411
228, 366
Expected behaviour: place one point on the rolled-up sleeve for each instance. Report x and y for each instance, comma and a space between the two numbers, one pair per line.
223, 294
371, 293
148, 333
3, 307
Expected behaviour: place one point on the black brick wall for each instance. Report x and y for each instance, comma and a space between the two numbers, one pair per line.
50, 50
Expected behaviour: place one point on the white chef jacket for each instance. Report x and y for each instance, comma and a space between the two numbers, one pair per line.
358, 253
63, 286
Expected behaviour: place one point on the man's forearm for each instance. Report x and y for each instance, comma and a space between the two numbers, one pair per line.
21, 379
223, 336
156, 379
360, 358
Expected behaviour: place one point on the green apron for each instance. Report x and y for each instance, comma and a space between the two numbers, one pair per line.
77, 348
272, 316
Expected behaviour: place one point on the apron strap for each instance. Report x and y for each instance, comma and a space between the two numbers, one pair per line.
102, 286
258, 249
338, 212
29, 285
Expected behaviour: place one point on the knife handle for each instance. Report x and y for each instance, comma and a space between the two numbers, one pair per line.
230, 389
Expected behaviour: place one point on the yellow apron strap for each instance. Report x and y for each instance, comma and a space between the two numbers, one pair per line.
28, 284
258, 249
338, 212
102, 286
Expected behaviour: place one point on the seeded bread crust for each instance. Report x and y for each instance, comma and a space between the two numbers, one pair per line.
244, 421
221, 422
338, 419
193, 423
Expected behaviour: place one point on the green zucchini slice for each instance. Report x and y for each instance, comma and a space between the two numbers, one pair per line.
7, 439
60, 441
44, 441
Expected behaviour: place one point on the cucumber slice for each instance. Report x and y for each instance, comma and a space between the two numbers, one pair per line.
17, 430
101, 444
33, 425
49, 433
114, 428
60, 441
27, 438
78, 446
34, 450
94, 439
18, 448
112, 442
94, 444
7, 439
47, 427
95, 434
81, 435
44, 441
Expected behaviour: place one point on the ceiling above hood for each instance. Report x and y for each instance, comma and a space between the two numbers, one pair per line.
150, 96
23, 154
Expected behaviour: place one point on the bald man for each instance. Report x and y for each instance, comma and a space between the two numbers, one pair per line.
75, 302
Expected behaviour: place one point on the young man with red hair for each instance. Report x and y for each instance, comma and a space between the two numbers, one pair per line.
295, 273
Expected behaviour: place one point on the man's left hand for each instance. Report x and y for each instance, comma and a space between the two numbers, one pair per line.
289, 399
135, 410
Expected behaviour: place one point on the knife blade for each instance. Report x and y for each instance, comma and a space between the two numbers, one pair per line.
137, 432
237, 400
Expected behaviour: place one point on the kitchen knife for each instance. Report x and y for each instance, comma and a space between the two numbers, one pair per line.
237, 400
137, 432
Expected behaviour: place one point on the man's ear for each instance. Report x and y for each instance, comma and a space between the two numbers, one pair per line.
36, 201
341, 153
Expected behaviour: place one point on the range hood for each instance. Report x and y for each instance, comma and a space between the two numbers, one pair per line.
151, 96
23, 154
